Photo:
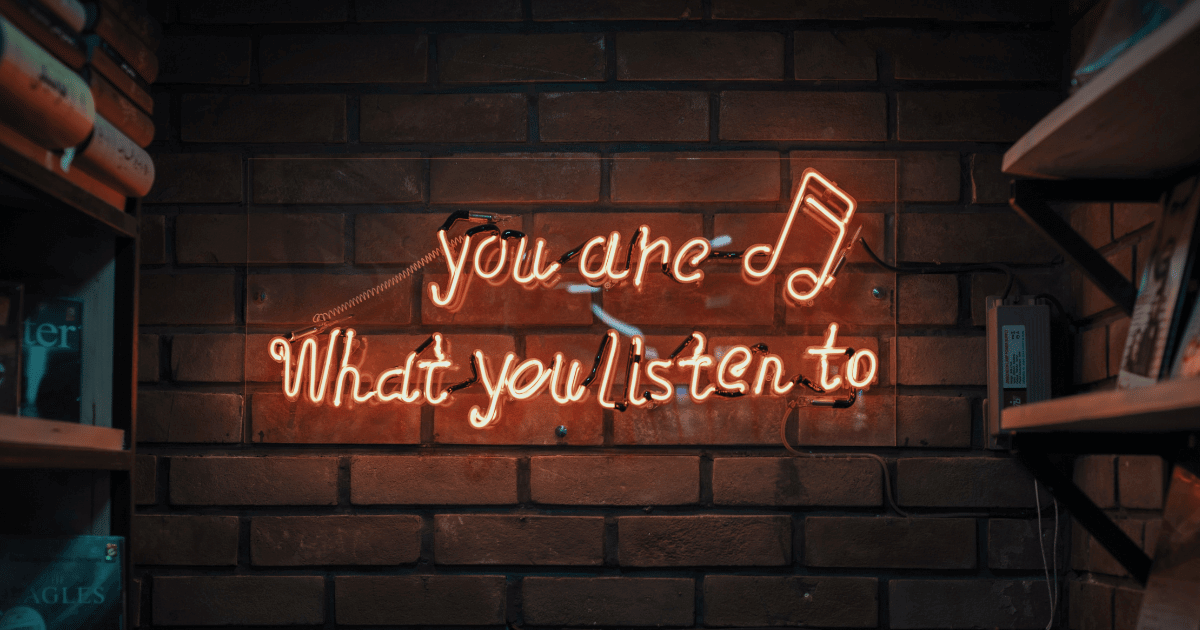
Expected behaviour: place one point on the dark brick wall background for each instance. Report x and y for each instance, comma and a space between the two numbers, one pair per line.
307, 150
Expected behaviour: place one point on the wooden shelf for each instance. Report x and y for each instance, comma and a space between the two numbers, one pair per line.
1169, 406
63, 457
1136, 119
34, 165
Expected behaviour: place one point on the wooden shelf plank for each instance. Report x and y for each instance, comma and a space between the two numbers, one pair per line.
1135, 119
34, 165
1165, 407
22, 430
61, 457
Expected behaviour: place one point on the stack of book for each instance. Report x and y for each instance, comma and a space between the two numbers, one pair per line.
74, 91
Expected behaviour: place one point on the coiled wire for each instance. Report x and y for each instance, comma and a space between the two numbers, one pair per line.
386, 284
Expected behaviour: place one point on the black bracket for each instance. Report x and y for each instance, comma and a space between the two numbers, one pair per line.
1031, 199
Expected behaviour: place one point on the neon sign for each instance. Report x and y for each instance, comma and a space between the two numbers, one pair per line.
484, 251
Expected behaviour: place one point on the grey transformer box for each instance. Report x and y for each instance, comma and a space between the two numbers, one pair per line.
1018, 354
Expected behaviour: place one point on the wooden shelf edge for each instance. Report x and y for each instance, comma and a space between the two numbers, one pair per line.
1170, 406
1019, 159
57, 433
18, 159
63, 457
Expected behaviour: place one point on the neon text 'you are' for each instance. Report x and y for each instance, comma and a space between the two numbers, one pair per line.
332, 375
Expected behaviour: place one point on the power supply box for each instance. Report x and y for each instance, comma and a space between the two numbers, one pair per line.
1018, 352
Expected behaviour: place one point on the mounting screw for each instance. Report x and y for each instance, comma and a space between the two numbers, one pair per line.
878, 293
262, 296
560, 430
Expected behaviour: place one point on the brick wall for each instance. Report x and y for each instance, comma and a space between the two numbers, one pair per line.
308, 150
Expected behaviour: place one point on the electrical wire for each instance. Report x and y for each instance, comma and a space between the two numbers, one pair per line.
941, 268
1051, 592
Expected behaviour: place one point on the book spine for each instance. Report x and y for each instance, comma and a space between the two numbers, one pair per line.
71, 12
132, 50
138, 20
120, 111
113, 158
103, 62
40, 95
49, 32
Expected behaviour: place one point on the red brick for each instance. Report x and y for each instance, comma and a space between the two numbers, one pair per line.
341, 179
336, 58
450, 480
180, 417
870, 422
295, 298
208, 358
608, 601
742, 176
528, 422
518, 539
971, 238
196, 178
969, 116
850, 301
444, 118
260, 367
1118, 331
565, 231
933, 422
263, 118
276, 420
144, 479
285, 541
677, 56
623, 116
515, 178
720, 299
1127, 603
213, 480
942, 360
1096, 477
615, 480
204, 59
928, 299
383, 352
420, 600
834, 56
1013, 544
1027, 282
1093, 222
988, 183
968, 604
152, 240
239, 600
1131, 217
489, 58
707, 540
234, 12
885, 176
1092, 358
906, 543
977, 57
187, 540
568, 10
774, 116
1088, 296
948, 10
396, 238
683, 422
1140, 481
1091, 606
750, 228
508, 305
974, 482
444, 11
207, 239
1150, 535
147, 358
796, 481
1087, 554
752, 600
